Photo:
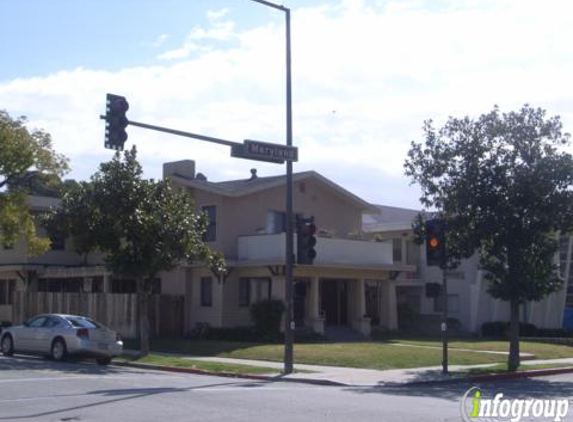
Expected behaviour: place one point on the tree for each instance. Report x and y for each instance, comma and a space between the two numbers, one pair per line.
144, 227
503, 184
77, 217
26, 159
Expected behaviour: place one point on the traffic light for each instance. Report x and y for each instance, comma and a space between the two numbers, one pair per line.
435, 242
433, 290
116, 121
306, 240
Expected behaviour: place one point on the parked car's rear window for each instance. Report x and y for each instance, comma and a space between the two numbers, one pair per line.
83, 323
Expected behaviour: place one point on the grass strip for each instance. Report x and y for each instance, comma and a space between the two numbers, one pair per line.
216, 367
502, 369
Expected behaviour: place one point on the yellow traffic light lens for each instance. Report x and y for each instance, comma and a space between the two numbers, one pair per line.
434, 242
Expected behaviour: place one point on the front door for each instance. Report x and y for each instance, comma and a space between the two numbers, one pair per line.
334, 301
299, 300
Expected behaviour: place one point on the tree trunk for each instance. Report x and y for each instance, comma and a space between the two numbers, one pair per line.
513, 359
143, 311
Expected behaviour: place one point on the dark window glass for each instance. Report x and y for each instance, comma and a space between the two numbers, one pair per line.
58, 243
211, 233
37, 322
51, 322
244, 292
7, 288
397, 250
83, 322
206, 291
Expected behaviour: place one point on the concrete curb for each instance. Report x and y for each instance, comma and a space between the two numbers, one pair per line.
521, 374
268, 378
496, 377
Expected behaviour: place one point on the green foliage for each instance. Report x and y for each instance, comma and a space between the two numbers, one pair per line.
26, 160
503, 184
146, 226
267, 315
500, 329
77, 217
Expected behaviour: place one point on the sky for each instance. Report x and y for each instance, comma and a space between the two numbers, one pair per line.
365, 76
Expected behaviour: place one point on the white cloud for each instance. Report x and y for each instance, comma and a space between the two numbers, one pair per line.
214, 15
364, 79
160, 40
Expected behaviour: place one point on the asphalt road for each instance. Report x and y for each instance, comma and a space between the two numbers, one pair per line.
42, 390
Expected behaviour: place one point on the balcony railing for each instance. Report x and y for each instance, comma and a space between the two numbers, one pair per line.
271, 247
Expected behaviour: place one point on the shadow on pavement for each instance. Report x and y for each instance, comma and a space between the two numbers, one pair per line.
119, 395
71, 366
538, 388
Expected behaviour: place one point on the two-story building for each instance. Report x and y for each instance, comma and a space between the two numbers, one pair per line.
350, 284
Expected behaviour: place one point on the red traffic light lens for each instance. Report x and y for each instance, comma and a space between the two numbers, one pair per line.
119, 105
434, 242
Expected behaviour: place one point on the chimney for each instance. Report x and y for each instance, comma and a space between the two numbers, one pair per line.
253, 174
183, 168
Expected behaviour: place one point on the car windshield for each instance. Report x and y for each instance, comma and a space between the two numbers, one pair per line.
83, 322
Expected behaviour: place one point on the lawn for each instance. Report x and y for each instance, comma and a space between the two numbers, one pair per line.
540, 350
375, 355
502, 369
173, 361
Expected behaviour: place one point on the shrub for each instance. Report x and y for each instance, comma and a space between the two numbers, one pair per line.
232, 334
266, 316
500, 329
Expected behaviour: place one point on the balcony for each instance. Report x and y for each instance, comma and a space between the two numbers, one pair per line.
271, 248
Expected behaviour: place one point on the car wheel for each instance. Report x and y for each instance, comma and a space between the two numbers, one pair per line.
103, 361
7, 345
59, 350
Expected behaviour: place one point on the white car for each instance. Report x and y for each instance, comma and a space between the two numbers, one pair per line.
59, 335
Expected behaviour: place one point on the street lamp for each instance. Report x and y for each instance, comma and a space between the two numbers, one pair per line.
289, 323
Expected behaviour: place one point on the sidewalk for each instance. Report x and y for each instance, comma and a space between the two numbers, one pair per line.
333, 375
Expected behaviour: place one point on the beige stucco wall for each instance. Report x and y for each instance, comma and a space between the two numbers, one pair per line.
247, 215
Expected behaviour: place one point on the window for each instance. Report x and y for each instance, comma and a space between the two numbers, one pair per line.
7, 288
252, 290
397, 250
211, 233
126, 286
453, 303
206, 291
123, 286
60, 285
244, 292
276, 222
52, 322
37, 322
58, 243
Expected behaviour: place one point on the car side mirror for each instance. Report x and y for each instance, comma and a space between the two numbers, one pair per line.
26, 323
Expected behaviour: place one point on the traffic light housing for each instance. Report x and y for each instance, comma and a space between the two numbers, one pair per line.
116, 122
435, 236
433, 290
306, 240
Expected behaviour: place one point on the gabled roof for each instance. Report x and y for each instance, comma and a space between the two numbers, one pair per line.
389, 219
242, 187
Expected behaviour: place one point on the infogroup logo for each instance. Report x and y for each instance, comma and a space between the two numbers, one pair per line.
476, 408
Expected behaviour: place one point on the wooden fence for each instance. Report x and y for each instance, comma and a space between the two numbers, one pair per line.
116, 311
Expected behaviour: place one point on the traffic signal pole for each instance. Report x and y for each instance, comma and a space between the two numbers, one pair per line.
444, 322
436, 255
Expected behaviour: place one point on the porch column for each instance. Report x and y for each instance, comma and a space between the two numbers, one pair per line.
392, 308
361, 322
106, 288
278, 291
314, 319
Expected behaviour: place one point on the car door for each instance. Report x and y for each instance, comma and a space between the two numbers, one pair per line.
44, 334
26, 336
